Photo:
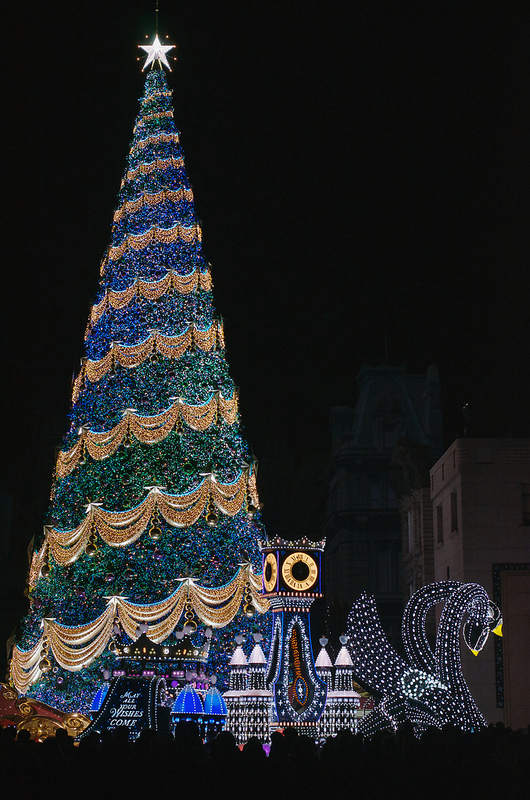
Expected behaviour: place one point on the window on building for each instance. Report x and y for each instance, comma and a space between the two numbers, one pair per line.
340, 499
454, 512
333, 498
343, 491
391, 499
439, 524
360, 490
339, 492
387, 569
526, 503
410, 526
375, 495
389, 435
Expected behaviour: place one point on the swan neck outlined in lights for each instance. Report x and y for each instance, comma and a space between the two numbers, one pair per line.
426, 688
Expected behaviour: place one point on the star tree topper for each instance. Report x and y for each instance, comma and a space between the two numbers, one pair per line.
156, 52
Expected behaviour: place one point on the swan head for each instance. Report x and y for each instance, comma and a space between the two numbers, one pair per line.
478, 627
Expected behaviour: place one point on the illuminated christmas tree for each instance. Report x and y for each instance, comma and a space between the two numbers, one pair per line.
154, 516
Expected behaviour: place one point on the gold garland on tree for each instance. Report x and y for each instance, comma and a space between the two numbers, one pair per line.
122, 528
75, 647
146, 429
158, 165
149, 290
187, 233
154, 345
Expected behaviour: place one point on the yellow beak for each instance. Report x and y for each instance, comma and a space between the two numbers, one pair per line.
475, 652
498, 629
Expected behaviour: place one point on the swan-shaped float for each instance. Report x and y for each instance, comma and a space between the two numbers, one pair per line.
427, 688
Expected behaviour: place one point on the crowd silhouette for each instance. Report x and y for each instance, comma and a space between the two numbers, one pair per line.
492, 763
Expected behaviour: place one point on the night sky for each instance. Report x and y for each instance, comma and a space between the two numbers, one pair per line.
361, 172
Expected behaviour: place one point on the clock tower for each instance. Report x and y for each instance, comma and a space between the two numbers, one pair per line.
291, 582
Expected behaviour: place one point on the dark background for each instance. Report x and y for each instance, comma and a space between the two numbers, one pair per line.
361, 171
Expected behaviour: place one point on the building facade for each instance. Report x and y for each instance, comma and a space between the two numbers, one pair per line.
480, 490
396, 412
